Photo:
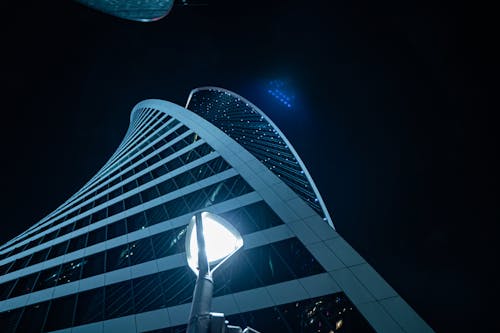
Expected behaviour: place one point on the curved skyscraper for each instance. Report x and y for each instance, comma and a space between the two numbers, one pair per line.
111, 258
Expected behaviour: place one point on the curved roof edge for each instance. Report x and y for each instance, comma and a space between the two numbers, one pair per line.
275, 127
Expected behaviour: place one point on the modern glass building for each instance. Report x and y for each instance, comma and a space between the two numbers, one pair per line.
112, 258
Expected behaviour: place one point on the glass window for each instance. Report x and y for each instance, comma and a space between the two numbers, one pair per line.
58, 250
176, 207
60, 313
177, 285
19, 249
70, 215
99, 215
128, 174
136, 222
140, 167
5, 289
96, 236
156, 215
83, 222
167, 187
184, 179
267, 265
238, 186
33, 317
93, 265
159, 171
118, 300
197, 200
51, 236
67, 229
116, 229
101, 200
70, 271
5, 268
31, 244
9, 320
144, 178
150, 194
39, 256
89, 307
129, 186
320, 314
204, 149
237, 275
201, 172
48, 278
20, 263
24, 285
218, 165
147, 293
88, 206
116, 192
169, 242
116, 208
77, 243
36, 242
251, 218
290, 249
133, 201
6, 254
167, 152
220, 193
117, 257
141, 251
174, 164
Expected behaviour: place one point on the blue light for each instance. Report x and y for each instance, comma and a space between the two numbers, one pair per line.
278, 89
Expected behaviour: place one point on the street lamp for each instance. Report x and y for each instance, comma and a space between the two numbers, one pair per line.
210, 240
221, 240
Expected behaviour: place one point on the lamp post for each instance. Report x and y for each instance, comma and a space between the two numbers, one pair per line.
209, 240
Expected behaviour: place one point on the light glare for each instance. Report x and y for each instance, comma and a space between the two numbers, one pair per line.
221, 240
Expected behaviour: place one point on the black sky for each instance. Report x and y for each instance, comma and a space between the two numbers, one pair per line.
393, 119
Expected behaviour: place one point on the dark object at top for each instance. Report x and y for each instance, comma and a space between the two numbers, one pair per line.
134, 10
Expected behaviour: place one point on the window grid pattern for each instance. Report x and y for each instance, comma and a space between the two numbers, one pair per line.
129, 170
150, 113
244, 124
167, 288
195, 174
135, 166
247, 219
141, 143
157, 119
325, 314
103, 176
141, 114
143, 182
158, 147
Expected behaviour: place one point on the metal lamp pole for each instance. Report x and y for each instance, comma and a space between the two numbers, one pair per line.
199, 318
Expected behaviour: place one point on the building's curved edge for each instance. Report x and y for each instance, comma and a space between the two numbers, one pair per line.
282, 135
345, 270
49, 216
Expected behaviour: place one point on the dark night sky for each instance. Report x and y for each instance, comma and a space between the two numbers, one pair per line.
392, 119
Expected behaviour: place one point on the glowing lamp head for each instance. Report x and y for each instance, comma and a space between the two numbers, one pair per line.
221, 240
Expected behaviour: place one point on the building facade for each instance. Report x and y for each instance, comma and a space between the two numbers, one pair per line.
112, 258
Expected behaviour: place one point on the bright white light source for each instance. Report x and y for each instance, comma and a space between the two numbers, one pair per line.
221, 240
